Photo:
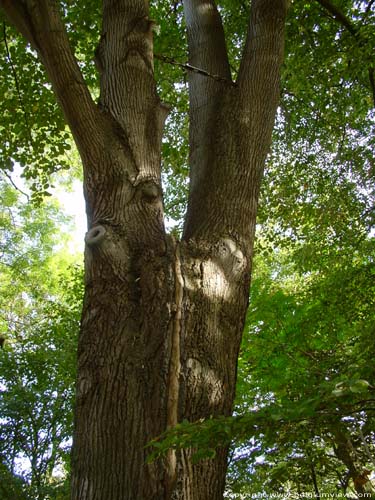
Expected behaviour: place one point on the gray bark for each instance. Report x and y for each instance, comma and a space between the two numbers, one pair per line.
162, 321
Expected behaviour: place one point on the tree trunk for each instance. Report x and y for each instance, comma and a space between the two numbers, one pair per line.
345, 451
162, 320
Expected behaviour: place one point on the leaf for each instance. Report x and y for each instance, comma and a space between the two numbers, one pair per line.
358, 386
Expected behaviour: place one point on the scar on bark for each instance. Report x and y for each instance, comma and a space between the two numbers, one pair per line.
174, 369
95, 235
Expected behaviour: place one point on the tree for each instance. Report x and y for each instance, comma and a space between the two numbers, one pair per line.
39, 321
162, 320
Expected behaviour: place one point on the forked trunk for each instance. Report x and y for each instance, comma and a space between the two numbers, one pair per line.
161, 331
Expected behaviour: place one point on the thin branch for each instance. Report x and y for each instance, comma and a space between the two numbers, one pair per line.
189, 67
15, 186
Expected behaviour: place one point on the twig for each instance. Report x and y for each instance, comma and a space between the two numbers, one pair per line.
189, 67
15, 186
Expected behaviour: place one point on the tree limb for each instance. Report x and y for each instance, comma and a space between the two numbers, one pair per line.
208, 52
206, 40
16, 12
338, 15
265, 35
40, 23
259, 75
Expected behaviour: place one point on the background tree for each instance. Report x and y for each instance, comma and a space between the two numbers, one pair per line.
39, 321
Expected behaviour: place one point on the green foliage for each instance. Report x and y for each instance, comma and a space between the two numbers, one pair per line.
33, 132
39, 320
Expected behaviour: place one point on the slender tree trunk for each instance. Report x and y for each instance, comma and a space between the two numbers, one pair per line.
345, 451
162, 320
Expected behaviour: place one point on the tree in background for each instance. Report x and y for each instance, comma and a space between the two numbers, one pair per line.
162, 319
39, 322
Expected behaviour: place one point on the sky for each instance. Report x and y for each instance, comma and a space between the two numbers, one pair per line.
72, 203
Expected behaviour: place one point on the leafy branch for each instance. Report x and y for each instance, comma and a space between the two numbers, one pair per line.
341, 18
16, 81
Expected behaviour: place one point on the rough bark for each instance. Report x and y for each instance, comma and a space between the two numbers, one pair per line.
162, 321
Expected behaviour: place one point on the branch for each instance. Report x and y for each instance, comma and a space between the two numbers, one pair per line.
338, 15
15, 76
208, 52
189, 67
259, 74
8, 176
16, 12
40, 23
265, 40
206, 40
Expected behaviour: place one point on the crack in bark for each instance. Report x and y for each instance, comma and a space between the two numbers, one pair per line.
174, 369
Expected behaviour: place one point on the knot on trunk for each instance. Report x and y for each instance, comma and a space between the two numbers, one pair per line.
95, 236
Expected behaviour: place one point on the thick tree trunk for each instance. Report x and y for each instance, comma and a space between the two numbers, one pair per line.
162, 321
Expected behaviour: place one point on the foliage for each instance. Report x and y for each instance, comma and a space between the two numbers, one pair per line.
39, 314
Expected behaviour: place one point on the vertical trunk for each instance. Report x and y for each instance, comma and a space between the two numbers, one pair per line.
230, 134
125, 342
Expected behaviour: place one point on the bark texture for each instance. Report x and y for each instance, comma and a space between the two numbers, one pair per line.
162, 320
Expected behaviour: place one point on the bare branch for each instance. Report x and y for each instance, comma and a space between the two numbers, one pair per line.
189, 67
